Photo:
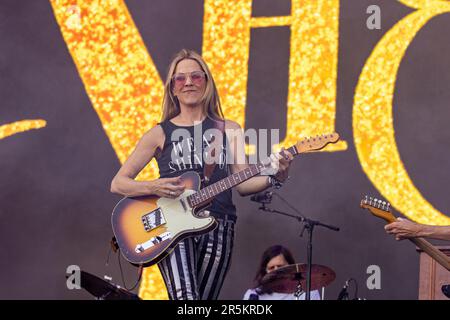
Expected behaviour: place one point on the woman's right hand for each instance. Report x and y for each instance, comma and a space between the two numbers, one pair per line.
168, 187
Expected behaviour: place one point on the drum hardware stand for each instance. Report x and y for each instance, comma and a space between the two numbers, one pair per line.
299, 290
309, 225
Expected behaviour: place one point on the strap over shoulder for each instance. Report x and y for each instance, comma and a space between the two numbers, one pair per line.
209, 167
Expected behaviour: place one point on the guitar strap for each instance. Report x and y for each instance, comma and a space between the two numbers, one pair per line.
209, 167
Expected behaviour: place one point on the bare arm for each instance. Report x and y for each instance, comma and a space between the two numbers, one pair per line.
237, 148
436, 232
403, 229
123, 183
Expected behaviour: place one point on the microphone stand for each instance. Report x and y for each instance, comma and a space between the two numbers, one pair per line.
309, 225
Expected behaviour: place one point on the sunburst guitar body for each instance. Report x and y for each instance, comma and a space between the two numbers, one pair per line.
145, 232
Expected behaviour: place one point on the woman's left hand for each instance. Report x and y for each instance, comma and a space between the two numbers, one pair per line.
284, 164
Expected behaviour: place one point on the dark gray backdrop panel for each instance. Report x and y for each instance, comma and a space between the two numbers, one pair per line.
54, 190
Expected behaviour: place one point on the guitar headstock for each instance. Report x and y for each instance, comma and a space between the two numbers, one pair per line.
316, 143
378, 208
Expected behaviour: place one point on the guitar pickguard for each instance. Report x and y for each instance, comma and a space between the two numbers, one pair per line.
175, 219
181, 219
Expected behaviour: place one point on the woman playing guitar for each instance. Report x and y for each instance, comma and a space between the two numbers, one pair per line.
182, 142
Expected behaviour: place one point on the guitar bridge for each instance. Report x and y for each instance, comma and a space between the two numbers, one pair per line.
153, 242
153, 220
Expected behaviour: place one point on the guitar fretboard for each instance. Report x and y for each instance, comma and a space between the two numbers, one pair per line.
209, 192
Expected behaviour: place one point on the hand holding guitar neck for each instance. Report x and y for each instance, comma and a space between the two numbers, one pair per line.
404, 229
278, 165
382, 209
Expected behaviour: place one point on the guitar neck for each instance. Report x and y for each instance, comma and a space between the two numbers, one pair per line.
206, 194
432, 251
380, 210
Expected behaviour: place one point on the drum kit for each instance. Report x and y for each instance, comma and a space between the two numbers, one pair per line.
297, 278
292, 279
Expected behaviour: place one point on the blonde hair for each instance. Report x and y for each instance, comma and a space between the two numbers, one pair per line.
210, 99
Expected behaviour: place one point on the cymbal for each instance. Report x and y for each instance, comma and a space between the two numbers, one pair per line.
287, 278
104, 290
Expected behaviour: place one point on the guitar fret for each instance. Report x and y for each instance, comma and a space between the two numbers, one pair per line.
210, 191
215, 186
293, 150
218, 187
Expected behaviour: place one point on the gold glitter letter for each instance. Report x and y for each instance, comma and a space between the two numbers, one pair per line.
312, 66
7, 130
372, 116
121, 81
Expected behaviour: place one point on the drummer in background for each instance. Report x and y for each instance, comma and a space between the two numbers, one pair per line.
273, 258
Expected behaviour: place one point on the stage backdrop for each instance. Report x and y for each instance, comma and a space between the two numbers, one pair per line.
81, 81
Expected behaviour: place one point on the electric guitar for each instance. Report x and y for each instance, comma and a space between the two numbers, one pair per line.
382, 209
147, 228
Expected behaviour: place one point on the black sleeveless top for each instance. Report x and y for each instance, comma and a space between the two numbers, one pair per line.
185, 149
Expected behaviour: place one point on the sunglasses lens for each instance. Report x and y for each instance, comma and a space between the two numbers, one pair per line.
179, 79
197, 77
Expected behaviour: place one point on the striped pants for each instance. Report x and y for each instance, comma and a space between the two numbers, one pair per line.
196, 268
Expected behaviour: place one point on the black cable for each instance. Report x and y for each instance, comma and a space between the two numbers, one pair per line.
355, 297
107, 258
289, 205
123, 277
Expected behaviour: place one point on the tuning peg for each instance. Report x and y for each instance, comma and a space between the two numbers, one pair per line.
370, 200
388, 207
384, 205
366, 199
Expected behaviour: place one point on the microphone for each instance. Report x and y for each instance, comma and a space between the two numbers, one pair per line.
446, 290
253, 296
343, 295
262, 197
